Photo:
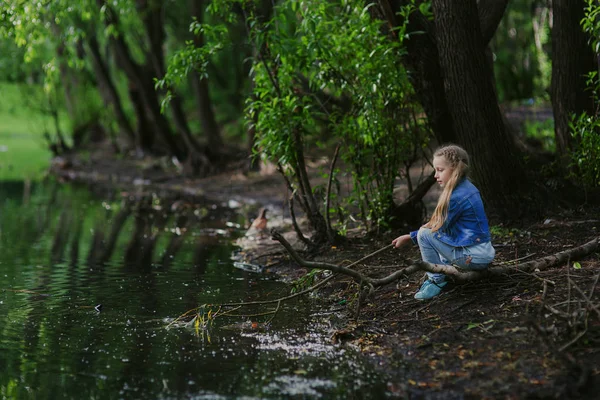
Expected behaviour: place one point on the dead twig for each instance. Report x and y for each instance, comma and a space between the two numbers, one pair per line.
516, 260
585, 297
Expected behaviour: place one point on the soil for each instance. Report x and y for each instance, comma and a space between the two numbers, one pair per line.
519, 336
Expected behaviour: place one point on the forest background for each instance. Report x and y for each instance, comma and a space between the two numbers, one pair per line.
293, 80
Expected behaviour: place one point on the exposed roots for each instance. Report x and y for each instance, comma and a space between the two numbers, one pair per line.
457, 273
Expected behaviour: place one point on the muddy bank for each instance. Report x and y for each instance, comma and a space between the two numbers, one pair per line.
523, 335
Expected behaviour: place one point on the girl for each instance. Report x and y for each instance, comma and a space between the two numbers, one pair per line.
458, 232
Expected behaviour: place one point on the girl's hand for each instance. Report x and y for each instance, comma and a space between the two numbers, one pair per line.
401, 241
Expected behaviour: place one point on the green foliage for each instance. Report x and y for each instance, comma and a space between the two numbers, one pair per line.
591, 23
586, 155
521, 48
11, 64
336, 51
543, 131
501, 233
586, 128
192, 58
307, 280
23, 121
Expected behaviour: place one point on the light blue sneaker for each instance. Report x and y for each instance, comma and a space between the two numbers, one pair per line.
429, 289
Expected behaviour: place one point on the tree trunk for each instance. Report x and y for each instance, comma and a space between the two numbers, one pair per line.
315, 218
69, 83
107, 89
145, 130
496, 165
68, 79
152, 16
438, 95
572, 59
208, 122
141, 79
423, 59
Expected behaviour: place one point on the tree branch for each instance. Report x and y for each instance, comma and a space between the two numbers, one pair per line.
450, 270
330, 233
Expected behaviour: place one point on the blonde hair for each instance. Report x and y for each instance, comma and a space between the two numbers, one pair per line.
458, 160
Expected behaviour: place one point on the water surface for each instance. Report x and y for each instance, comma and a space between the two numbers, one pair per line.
89, 287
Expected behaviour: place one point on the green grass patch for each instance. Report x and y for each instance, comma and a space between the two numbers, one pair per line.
23, 121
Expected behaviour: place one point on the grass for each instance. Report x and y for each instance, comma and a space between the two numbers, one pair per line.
23, 150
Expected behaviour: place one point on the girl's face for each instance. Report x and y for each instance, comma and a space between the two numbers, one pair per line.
443, 170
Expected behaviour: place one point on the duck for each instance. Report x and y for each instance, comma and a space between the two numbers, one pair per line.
259, 225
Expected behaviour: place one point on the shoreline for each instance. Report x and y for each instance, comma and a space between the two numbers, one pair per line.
475, 340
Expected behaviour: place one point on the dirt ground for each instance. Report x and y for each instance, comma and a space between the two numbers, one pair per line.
518, 336
501, 338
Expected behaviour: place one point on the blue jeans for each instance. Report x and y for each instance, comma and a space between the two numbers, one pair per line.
475, 257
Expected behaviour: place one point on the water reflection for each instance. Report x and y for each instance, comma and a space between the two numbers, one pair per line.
66, 254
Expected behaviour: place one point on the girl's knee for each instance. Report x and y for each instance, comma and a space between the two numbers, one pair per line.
424, 233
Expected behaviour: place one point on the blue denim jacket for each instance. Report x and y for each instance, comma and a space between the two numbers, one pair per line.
466, 223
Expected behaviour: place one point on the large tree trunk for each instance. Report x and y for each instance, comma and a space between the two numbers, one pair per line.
423, 58
441, 97
496, 165
208, 122
572, 59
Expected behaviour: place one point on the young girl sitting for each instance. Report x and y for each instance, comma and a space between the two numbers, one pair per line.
458, 232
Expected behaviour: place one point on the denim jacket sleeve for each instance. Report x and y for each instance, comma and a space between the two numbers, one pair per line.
413, 236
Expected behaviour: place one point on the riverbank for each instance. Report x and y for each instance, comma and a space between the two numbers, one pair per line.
521, 335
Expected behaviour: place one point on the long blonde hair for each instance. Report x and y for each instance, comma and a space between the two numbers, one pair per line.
458, 159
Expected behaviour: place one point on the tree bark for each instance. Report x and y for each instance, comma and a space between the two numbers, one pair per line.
496, 165
423, 59
490, 14
315, 218
572, 59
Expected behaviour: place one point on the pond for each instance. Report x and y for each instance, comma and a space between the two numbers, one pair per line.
90, 287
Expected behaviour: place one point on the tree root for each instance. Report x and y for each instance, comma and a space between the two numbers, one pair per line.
457, 273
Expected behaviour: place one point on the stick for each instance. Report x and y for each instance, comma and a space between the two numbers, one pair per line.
370, 255
585, 297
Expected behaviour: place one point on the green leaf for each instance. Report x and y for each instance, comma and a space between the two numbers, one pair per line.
576, 265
